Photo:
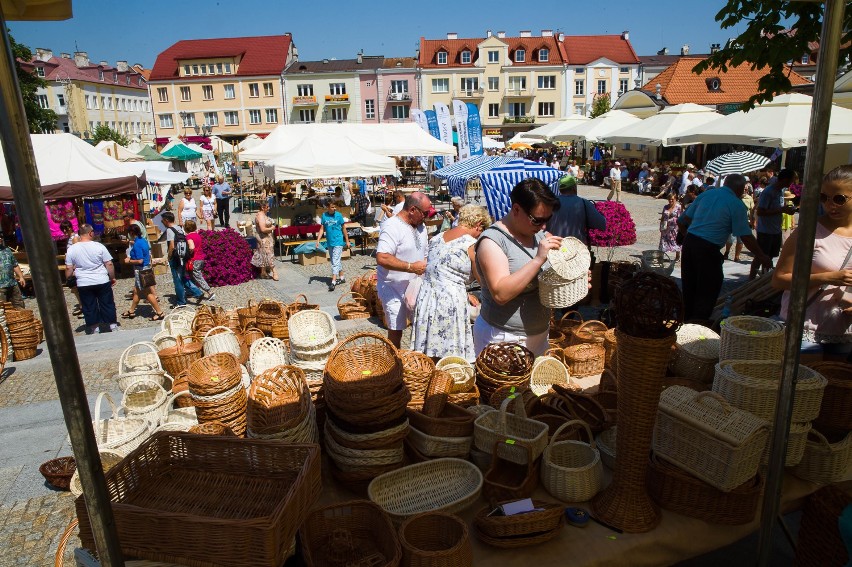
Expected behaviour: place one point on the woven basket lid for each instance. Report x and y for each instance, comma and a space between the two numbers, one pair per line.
571, 260
710, 413
698, 341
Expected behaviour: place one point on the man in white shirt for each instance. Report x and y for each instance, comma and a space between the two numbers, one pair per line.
615, 182
401, 256
686, 179
91, 263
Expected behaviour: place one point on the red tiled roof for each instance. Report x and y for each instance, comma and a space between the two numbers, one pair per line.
260, 55
429, 49
404, 63
679, 84
583, 49
60, 68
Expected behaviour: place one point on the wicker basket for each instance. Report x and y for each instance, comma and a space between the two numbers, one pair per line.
365, 366
796, 441
212, 428
462, 371
167, 499
139, 357
108, 460
391, 436
214, 374
301, 304
248, 314
584, 359
565, 280
658, 262
610, 343
146, 399
449, 485
180, 357
546, 372
505, 479
118, 433
591, 332
435, 539
674, 489
268, 312
58, 472
502, 364
349, 533
546, 518
745, 337
221, 339
251, 334
158, 376
311, 331
824, 462
834, 411
266, 353
707, 437
278, 400
453, 421
753, 386
572, 471
204, 320
355, 308
18, 317
696, 353
606, 446
417, 369
433, 447
494, 427
354, 459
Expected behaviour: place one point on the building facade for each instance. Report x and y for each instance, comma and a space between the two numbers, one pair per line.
228, 87
86, 95
398, 89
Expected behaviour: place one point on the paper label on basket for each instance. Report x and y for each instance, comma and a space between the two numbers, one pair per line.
512, 390
564, 249
510, 441
214, 378
752, 332
519, 507
366, 372
702, 338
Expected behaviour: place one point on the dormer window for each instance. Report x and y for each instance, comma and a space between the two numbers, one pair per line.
100, 74
520, 55
114, 77
127, 79
40, 71
543, 55
465, 57
442, 58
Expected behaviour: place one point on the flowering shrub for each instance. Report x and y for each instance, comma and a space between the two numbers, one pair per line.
620, 228
228, 257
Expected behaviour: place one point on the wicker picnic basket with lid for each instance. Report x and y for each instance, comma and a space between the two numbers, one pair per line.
247, 315
169, 505
449, 485
584, 359
355, 308
435, 539
834, 412
268, 311
572, 471
547, 517
349, 533
497, 426
502, 364
177, 358
564, 281
825, 462
118, 433
676, 490
704, 435
696, 353
753, 386
745, 337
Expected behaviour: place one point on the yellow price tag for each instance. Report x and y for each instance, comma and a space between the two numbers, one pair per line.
564, 249
510, 441
214, 378
752, 332
366, 372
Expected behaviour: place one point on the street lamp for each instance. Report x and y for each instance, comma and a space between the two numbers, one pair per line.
182, 115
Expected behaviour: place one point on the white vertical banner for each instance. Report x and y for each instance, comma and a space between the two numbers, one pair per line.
420, 119
460, 114
445, 127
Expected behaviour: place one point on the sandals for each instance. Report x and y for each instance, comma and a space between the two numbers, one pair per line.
158, 317
128, 315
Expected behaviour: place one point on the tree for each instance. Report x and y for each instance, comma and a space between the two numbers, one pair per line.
776, 31
104, 132
40, 120
600, 105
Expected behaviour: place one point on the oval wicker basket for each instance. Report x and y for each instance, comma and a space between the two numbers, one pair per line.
584, 359
745, 337
118, 433
311, 330
435, 539
453, 421
696, 353
354, 308
177, 358
546, 372
364, 361
572, 471
546, 517
139, 357
591, 332
266, 353
302, 305
565, 280
146, 399
433, 447
214, 374
824, 462
58, 472
278, 401
248, 314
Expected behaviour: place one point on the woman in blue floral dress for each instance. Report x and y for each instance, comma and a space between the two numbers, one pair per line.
441, 322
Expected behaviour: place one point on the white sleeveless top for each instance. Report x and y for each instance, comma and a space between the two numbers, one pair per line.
188, 208
207, 203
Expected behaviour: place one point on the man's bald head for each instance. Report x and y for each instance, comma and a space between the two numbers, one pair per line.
417, 199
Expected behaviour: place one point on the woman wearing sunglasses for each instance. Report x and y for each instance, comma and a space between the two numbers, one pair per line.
828, 308
509, 256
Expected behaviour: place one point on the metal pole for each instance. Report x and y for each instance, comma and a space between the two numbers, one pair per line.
26, 188
817, 138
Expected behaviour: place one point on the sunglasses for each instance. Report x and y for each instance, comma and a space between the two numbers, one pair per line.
839, 199
539, 221
422, 212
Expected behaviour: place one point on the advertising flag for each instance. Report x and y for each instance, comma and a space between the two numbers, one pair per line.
474, 129
420, 119
432, 121
460, 114
445, 125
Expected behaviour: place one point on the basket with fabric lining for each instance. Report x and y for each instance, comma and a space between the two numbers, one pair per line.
453, 421
591, 332
177, 358
266, 353
247, 315
584, 359
564, 281
311, 331
58, 472
546, 517
547, 371
834, 411
139, 357
417, 369
823, 461
752, 385
506, 479
746, 337
572, 471
696, 353
278, 400
494, 427
676, 490
435, 539
268, 311
146, 399
462, 371
432, 446
167, 499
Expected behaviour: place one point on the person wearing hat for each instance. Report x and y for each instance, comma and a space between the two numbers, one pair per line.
770, 210
576, 215
615, 182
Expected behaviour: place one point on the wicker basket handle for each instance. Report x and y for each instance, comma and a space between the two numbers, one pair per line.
227, 329
126, 354
557, 353
303, 296
362, 335
360, 299
717, 398
513, 443
520, 410
98, 419
589, 325
821, 438
573, 422
569, 314
153, 383
173, 397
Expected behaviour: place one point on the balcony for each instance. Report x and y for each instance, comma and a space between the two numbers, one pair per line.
469, 93
307, 100
519, 92
519, 120
399, 97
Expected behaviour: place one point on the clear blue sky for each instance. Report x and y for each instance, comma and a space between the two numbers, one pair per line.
137, 31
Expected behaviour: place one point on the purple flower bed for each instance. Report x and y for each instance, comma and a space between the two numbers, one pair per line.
620, 228
228, 257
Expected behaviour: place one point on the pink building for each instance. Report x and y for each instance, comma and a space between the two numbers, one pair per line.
398, 89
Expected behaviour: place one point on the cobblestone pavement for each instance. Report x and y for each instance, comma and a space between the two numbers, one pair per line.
32, 529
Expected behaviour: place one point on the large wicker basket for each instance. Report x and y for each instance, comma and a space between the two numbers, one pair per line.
696, 353
435, 539
519, 529
572, 471
502, 364
824, 462
176, 359
494, 427
745, 337
584, 359
834, 412
278, 401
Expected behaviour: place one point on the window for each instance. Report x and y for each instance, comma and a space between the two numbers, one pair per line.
211, 118
305, 90
493, 56
470, 84
91, 127
622, 86
338, 114
227, 68
65, 128
546, 108
543, 55
88, 102
207, 92
547, 81
520, 55
40, 71
42, 101
579, 86
254, 116
493, 110
163, 94
337, 89
465, 57
307, 115
254, 91
218, 68
114, 77
272, 115
127, 80
601, 86
369, 109
399, 111
232, 118
100, 74
442, 58
229, 91
493, 83
186, 69
166, 121
440, 85
203, 68
517, 84
95, 104
104, 104
189, 119
60, 100
110, 102
399, 87
805, 60
267, 89
517, 109
624, 70
195, 69
184, 94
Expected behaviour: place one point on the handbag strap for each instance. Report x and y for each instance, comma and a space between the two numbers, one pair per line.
511, 238
823, 287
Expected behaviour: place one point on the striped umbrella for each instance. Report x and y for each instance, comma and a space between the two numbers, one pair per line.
736, 162
497, 184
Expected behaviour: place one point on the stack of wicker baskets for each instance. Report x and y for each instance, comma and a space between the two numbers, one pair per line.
4, 306
267, 313
24, 332
365, 286
313, 336
503, 364
280, 407
353, 305
438, 428
215, 384
366, 400
463, 390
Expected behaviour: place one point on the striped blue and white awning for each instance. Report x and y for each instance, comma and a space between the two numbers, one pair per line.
497, 183
459, 173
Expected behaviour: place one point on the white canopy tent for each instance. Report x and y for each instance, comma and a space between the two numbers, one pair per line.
323, 156
136, 146
196, 148
661, 128
520, 138
221, 146
157, 172
547, 131
117, 151
251, 141
594, 129
491, 143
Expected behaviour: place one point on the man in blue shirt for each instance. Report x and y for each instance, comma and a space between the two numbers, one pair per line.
770, 212
708, 223
222, 192
576, 215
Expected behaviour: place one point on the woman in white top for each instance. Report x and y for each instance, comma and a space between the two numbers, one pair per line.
186, 207
208, 207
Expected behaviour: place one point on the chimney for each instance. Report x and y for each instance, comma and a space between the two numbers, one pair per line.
43, 54
103, 63
65, 55
546, 33
81, 59
525, 33
663, 51
487, 33
714, 48
501, 34
658, 95
121, 65
325, 61
452, 35
561, 36
625, 35
684, 49
360, 57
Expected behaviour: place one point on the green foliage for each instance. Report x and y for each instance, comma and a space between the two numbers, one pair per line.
104, 132
600, 105
763, 44
40, 120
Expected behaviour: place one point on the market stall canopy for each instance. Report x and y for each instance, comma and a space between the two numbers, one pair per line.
491, 143
459, 173
199, 149
157, 172
498, 182
220, 145
323, 156
782, 123
181, 152
661, 128
150, 154
400, 139
252, 141
117, 151
595, 128
68, 167
547, 131
521, 138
